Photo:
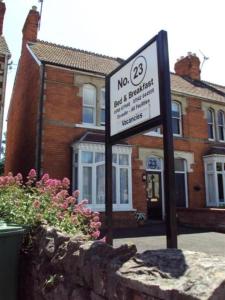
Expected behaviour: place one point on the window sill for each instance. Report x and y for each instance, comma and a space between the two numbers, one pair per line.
90, 126
115, 209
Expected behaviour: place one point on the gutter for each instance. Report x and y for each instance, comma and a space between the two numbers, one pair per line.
38, 158
7, 57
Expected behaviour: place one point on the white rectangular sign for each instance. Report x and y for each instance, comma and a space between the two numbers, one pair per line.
134, 91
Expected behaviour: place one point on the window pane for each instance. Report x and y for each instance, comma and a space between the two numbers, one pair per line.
211, 190
209, 167
124, 186
114, 185
153, 163
221, 133
114, 158
89, 95
87, 157
76, 157
176, 126
220, 118
179, 164
218, 166
175, 107
210, 131
102, 117
87, 183
100, 184
210, 116
123, 159
220, 187
102, 97
99, 157
88, 115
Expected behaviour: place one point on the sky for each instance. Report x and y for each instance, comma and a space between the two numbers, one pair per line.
120, 27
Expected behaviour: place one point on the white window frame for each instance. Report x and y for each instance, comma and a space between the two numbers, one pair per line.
214, 159
185, 178
92, 87
100, 148
177, 118
212, 112
102, 107
219, 126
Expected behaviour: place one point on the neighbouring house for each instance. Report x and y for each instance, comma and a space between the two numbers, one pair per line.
56, 124
4, 61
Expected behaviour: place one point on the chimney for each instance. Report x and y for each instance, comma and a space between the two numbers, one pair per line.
2, 13
30, 27
188, 66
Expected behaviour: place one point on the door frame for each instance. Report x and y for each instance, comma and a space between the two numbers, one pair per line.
161, 172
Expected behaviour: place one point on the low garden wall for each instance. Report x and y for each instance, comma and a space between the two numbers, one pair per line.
210, 218
59, 267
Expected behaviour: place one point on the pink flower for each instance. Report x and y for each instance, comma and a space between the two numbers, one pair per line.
36, 203
45, 177
66, 182
95, 225
95, 219
95, 234
71, 200
32, 174
76, 194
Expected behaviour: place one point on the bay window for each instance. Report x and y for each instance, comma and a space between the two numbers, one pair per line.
89, 175
215, 179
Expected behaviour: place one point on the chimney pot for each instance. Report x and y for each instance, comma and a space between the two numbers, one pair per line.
34, 8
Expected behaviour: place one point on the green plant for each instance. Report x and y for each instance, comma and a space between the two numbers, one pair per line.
140, 216
46, 201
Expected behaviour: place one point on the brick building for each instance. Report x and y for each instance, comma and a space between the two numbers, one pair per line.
4, 59
56, 124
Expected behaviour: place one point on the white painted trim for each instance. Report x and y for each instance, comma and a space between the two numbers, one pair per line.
90, 126
33, 55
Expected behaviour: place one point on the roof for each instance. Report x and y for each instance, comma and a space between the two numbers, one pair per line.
74, 58
197, 88
95, 137
103, 65
3, 46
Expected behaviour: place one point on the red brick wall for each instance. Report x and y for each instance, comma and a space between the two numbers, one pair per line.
22, 117
211, 218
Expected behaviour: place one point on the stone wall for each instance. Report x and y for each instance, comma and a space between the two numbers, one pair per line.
58, 267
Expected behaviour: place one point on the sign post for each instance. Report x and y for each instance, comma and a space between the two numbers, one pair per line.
138, 99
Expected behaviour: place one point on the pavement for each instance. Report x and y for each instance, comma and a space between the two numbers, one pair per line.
153, 236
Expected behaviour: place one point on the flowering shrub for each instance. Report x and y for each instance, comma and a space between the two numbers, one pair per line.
46, 201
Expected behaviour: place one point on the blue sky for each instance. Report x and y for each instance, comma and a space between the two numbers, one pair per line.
118, 28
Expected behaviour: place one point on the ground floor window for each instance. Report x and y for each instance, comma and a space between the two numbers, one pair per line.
89, 175
215, 179
181, 182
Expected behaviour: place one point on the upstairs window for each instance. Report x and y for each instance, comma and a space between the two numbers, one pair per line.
102, 107
89, 104
176, 118
220, 125
211, 124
